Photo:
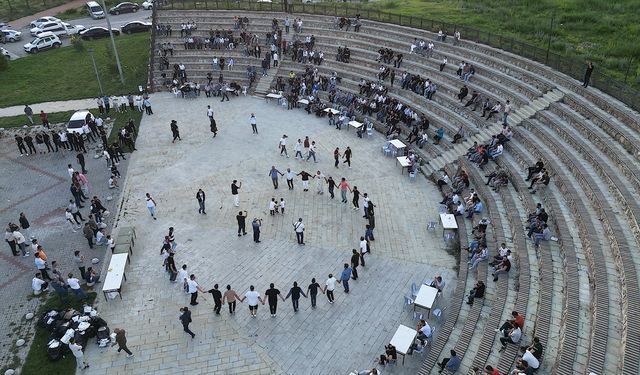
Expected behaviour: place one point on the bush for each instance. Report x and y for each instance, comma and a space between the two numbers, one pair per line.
4, 63
77, 43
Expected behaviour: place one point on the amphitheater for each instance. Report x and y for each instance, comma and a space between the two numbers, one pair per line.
577, 292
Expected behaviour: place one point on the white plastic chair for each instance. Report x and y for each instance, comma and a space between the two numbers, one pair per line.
244, 90
442, 209
414, 289
417, 315
437, 313
412, 176
370, 130
407, 302
449, 236
432, 225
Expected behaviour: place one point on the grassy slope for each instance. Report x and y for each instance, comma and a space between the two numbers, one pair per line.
67, 73
604, 31
21, 120
14, 9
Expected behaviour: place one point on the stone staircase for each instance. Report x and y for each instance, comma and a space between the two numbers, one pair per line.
265, 82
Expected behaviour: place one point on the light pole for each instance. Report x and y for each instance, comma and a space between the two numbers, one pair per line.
95, 68
113, 41
546, 61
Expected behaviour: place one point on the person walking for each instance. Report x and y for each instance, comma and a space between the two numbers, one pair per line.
355, 262
366, 204
252, 298
256, 224
217, 299
347, 156
329, 287
271, 296
320, 181
200, 197
587, 74
242, 223
312, 152
29, 112
254, 125
175, 131
299, 229
274, 176
356, 198
336, 156
151, 206
364, 248
121, 340
295, 293
185, 319
344, 186
289, 176
312, 291
332, 185
77, 349
230, 296
282, 144
345, 276
235, 186
193, 289
298, 149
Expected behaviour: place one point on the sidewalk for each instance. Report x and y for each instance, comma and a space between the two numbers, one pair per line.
24, 21
49, 107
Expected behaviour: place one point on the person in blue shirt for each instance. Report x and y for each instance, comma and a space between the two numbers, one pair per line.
295, 293
452, 364
368, 233
477, 208
345, 276
274, 176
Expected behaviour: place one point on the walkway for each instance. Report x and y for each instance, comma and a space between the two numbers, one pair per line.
49, 107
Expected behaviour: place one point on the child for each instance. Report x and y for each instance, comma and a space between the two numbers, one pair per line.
272, 207
282, 205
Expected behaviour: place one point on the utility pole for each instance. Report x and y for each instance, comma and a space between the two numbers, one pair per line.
113, 41
95, 68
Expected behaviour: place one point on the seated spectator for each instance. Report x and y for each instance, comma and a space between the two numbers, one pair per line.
503, 267
459, 209
489, 370
452, 364
92, 277
542, 182
537, 178
497, 151
516, 320
424, 331
459, 135
479, 257
373, 371
437, 283
390, 354
545, 235
535, 227
476, 208
512, 336
101, 238
535, 169
38, 285
477, 292
530, 360
503, 251
535, 348
483, 224
442, 181
439, 135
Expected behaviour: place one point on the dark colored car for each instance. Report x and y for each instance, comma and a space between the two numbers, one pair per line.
136, 27
97, 32
124, 8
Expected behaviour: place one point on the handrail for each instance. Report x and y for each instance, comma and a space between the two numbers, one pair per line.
568, 65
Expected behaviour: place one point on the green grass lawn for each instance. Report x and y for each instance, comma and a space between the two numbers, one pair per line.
605, 32
37, 362
67, 73
21, 120
14, 9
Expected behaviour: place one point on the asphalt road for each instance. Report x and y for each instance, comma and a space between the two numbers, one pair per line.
16, 49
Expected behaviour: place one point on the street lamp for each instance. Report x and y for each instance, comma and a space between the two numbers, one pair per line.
95, 68
113, 42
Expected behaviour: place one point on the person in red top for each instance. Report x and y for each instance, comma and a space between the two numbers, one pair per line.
491, 371
45, 119
516, 320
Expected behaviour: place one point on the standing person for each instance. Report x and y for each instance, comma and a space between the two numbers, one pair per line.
146, 103
230, 296
252, 298
299, 229
289, 176
329, 287
306, 145
69, 218
213, 126
200, 197
24, 223
368, 233
254, 125
78, 259
74, 285
88, 234
217, 299
332, 185
271, 296
256, 224
80, 158
298, 148
372, 217
41, 265
11, 240
356, 198
312, 152
336, 156
20, 143
29, 112
274, 176
295, 293
305, 180
282, 205
170, 265
121, 340
193, 288
355, 262
345, 276
235, 186
506, 110
364, 248
312, 290
77, 352
175, 131
210, 113
242, 223
347, 156
344, 186
587, 74
185, 318
366, 204
44, 119
282, 144
320, 179
20, 241
151, 206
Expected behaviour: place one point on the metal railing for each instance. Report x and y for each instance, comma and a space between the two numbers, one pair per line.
570, 66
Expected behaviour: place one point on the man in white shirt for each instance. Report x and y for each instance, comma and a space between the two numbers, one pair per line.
101, 238
282, 144
289, 176
113, 183
77, 352
299, 229
298, 149
183, 277
330, 286
41, 265
38, 285
252, 298
364, 248
70, 170
505, 112
193, 289
74, 285
513, 337
424, 333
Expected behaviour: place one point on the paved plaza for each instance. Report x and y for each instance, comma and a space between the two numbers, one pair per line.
332, 339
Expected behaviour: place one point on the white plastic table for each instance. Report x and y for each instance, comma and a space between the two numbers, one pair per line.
425, 298
397, 144
303, 101
404, 162
448, 222
334, 111
115, 274
273, 96
357, 125
403, 339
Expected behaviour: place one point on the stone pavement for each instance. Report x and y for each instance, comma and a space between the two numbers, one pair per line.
60, 106
38, 185
332, 339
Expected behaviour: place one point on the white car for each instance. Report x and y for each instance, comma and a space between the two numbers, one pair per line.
43, 41
11, 35
58, 28
42, 20
147, 5
73, 29
77, 120
5, 53
4, 26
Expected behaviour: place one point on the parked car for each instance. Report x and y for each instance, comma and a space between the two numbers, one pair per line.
97, 32
11, 35
5, 53
77, 120
124, 8
73, 29
58, 28
136, 27
4, 26
42, 20
43, 41
95, 10
147, 5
